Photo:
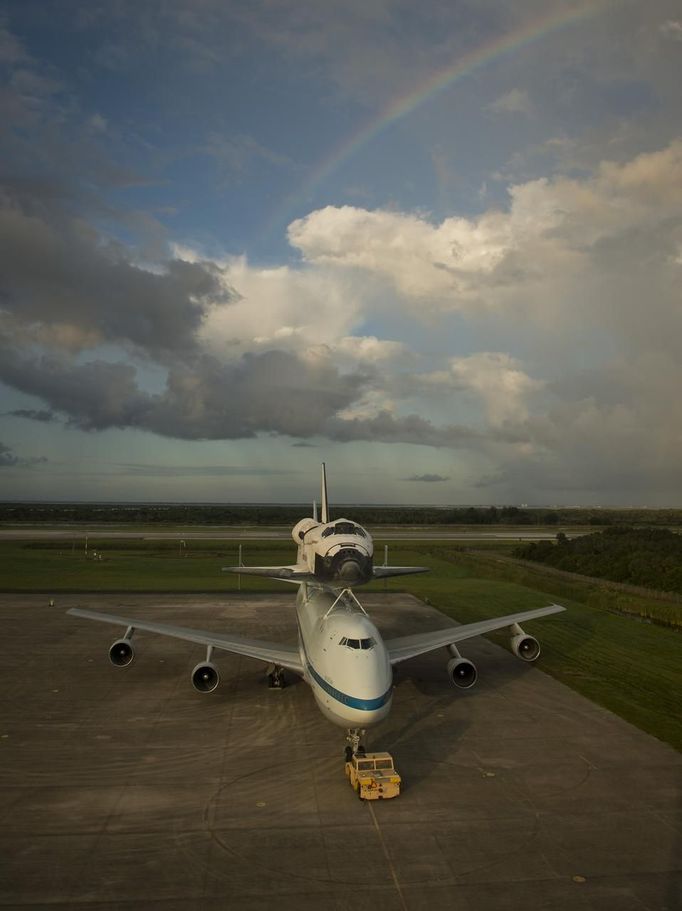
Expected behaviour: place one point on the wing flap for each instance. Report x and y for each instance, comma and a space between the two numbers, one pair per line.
271, 652
410, 646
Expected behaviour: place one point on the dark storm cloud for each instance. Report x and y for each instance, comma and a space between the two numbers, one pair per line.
8, 459
428, 478
32, 414
200, 470
387, 428
272, 392
57, 270
95, 395
275, 391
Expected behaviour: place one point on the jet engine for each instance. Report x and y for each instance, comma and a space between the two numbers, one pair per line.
121, 652
524, 646
462, 672
205, 677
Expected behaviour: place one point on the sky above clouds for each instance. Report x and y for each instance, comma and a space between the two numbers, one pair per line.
438, 246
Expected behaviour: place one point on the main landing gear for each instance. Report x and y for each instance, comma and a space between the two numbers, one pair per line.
354, 747
276, 678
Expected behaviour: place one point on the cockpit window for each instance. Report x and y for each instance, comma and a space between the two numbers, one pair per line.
357, 643
344, 528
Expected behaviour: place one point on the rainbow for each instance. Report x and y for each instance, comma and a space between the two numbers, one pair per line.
399, 108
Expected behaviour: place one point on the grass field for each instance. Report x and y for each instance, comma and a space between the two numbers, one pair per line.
631, 667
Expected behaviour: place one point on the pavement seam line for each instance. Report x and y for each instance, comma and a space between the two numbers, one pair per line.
389, 861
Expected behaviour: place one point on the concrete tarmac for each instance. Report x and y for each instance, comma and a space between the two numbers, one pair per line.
124, 788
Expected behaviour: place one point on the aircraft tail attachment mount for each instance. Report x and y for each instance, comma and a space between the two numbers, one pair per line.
344, 597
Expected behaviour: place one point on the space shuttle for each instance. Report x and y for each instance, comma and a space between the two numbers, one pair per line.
337, 553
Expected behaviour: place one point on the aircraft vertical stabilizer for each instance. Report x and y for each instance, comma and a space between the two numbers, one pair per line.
324, 505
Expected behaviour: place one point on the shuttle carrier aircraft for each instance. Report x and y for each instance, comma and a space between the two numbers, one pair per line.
340, 652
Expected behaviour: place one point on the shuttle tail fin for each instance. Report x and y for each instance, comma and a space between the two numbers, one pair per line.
324, 505
314, 510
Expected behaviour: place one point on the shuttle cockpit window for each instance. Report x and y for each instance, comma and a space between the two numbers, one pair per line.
344, 528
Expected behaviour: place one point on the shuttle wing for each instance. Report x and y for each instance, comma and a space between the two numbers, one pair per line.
271, 652
295, 574
410, 646
385, 572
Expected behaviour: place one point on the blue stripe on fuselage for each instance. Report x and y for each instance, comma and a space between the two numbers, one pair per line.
366, 705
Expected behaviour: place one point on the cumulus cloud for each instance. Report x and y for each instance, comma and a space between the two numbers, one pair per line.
496, 378
281, 307
515, 101
568, 251
672, 28
369, 348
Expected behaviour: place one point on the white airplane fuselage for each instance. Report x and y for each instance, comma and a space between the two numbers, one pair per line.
344, 659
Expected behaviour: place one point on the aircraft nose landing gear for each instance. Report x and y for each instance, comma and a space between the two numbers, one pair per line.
354, 747
276, 679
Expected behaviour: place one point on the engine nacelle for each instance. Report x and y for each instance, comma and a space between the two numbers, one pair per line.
525, 647
121, 652
299, 531
205, 677
462, 672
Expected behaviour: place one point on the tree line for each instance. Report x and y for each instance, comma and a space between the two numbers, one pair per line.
250, 514
649, 557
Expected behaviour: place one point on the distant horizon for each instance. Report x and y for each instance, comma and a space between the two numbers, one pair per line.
340, 503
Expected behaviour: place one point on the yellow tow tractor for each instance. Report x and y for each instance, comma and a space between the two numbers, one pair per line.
373, 775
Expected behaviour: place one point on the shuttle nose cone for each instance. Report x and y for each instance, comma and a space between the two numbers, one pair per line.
350, 572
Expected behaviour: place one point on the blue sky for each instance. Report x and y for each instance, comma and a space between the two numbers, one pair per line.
202, 296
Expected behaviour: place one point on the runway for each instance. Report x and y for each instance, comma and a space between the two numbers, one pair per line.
124, 788
274, 533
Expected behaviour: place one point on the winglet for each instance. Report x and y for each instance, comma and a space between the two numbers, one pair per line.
324, 505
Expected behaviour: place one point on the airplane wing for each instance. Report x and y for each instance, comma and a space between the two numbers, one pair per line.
410, 646
271, 652
384, 572
295, 574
